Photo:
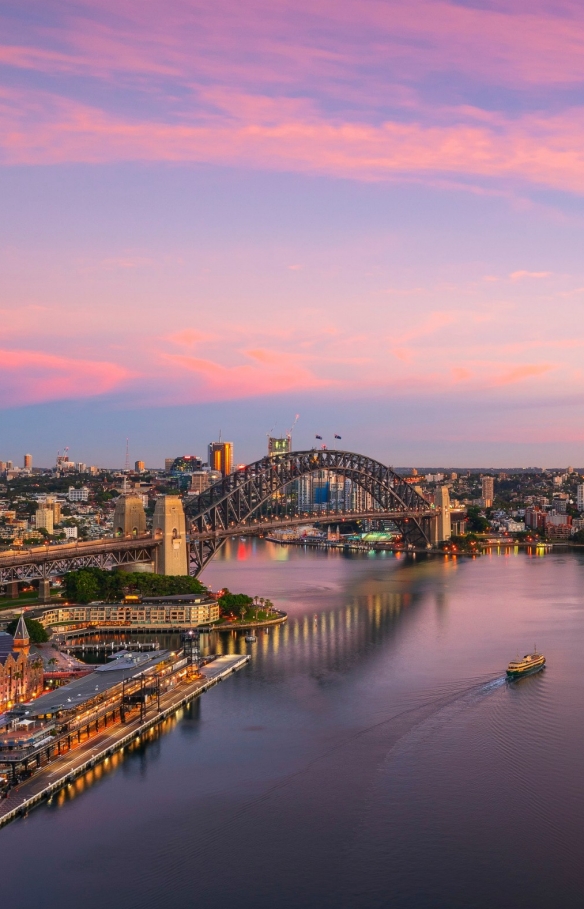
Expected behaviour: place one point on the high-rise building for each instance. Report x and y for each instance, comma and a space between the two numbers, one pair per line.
51, 502
279, 446
139, 467
202, 479
580, 497
488, 484
221, 457
324, 491
168, 462
44, 519
28, 462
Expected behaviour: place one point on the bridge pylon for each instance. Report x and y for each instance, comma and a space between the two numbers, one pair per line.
169, 522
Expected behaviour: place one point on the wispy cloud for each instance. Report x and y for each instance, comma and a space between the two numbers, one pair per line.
28, 376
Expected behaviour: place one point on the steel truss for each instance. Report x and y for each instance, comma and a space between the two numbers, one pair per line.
43, 567
237, 503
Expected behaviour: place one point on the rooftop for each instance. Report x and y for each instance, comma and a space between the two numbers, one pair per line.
85, 689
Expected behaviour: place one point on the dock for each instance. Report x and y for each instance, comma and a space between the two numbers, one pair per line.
60, 772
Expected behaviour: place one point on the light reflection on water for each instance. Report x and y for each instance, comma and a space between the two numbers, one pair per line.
371, 755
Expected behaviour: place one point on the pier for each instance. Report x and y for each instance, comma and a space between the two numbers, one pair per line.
61, 771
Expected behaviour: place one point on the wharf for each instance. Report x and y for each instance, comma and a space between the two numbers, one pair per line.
64, 769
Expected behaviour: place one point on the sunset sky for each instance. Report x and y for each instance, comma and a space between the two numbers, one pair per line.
217, 215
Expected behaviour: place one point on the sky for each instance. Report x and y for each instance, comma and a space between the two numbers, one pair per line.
217, 215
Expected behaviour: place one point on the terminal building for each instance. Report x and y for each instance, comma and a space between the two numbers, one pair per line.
21, 673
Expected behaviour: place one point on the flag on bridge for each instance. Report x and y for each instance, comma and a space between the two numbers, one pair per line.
336, 436
318, 437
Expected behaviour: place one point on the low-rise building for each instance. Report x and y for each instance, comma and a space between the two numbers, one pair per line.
21, 673
180, 611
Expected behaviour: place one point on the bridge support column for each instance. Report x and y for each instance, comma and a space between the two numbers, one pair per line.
169, 521
442, 527
13, 589
44, 589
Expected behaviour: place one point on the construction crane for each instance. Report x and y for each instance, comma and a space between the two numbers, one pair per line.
289, 433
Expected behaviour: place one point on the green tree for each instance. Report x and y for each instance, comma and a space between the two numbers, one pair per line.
36, 631
476, 522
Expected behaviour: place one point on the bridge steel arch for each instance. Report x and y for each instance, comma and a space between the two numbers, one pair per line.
228, 507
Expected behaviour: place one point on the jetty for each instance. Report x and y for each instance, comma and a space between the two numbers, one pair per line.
61, 771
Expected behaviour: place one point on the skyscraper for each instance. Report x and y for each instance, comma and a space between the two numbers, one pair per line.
488, 484
221, 457
28, 462
139, 466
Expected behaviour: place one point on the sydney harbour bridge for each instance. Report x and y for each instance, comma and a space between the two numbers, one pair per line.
254, 499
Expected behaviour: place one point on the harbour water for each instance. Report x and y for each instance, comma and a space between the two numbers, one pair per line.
372, 753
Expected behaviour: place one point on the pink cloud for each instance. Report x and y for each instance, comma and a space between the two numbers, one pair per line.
37, 130
28, 377
270, 372
521, 373
518, 275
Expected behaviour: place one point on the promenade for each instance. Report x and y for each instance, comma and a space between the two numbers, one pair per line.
63, 770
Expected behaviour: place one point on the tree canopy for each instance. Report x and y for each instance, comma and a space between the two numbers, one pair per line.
36, 631
89, 584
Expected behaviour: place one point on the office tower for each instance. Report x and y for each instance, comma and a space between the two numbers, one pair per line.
28, 462
488, 484
185, 464
44, 519
221, 457
279, 446
168, 462
580, 497
139, 467
9, 465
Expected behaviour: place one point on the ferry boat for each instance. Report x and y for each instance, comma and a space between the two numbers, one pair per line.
531, 662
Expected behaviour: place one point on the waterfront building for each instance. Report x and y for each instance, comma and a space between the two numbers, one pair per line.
181, 611
488, 490
221, 457
324, 490
580, 497
21, 673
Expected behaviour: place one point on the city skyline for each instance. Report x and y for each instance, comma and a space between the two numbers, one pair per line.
364, 213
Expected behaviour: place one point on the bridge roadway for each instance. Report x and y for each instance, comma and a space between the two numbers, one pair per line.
44, 562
